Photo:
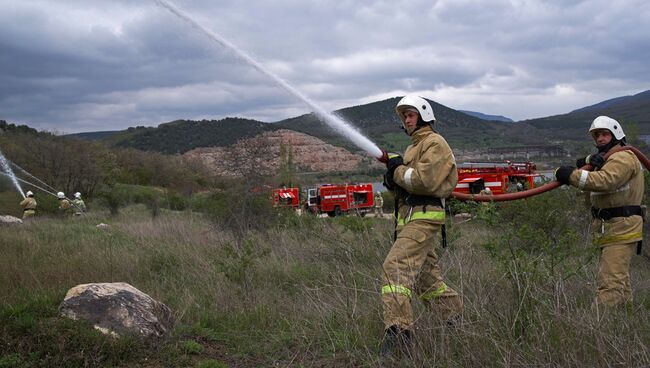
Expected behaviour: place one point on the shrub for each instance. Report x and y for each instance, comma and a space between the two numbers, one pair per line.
192, 347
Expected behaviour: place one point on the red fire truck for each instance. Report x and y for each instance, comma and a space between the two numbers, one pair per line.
500, 177
288, 197
338, 199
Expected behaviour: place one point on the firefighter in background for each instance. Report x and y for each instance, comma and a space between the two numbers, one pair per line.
421, 180
29, 205
616, 187
486, 191
379, 205
78, 204
64, 203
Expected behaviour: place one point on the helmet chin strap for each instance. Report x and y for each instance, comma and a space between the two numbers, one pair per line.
612, 143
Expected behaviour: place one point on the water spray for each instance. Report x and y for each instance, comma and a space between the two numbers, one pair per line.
4, 164
334, 122
32, 176
31, 184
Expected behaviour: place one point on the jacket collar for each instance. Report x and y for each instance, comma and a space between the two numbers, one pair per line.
420, 134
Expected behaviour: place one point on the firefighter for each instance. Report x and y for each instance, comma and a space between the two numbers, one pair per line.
616, 187
64, 203
379, 205
420, 180
78, 204
29, 205
486, 191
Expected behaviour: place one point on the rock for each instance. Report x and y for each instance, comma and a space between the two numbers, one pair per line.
9, 220
462, 217
117, 309
103, 226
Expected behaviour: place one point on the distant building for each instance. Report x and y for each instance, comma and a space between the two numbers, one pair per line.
528, 152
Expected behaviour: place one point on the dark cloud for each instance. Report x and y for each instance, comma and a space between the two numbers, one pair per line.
78, 65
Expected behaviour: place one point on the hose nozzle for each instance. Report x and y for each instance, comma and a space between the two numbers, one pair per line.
384, 157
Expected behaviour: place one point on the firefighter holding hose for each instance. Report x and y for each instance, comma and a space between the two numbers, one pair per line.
616, 187
420, 180
29, 205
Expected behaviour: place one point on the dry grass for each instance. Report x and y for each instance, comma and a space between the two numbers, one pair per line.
304, 292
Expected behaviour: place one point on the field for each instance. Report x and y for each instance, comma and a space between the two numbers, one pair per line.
259, 288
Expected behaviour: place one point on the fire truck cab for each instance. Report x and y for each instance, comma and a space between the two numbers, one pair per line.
500, 177
336, 200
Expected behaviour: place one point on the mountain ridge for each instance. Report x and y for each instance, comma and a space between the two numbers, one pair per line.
377, 120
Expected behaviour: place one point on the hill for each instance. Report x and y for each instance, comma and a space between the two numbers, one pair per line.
13, 128
181, 136
377, 120
94, 136
574, 125
267, 153
483, 116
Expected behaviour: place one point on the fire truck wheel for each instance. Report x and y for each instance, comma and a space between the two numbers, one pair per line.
362, 213
337, 211
331, 214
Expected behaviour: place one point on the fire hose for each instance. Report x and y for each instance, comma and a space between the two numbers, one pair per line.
538, 190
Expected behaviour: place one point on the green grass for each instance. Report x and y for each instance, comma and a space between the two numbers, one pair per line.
303, 291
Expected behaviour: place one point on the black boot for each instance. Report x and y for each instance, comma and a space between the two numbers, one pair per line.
396, 343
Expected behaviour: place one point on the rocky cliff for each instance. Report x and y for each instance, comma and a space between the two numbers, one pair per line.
267, 153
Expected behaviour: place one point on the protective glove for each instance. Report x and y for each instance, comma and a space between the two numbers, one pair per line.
563, 173
596, 161
389, 183
394, 160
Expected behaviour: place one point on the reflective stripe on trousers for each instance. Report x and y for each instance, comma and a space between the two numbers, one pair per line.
387, 289
427, 297
617, 238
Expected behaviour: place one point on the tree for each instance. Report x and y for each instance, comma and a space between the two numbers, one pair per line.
287, 167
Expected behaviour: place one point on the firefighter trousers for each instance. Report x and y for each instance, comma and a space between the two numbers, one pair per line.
411, 269
614, 274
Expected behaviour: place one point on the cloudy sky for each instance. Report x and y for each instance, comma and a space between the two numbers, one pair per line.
87, 65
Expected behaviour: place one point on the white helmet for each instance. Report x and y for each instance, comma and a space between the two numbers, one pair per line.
605, 122
60, 195
419, 104
29, 193
488, 190
77, 195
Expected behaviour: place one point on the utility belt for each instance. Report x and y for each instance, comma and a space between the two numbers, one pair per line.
420, 200
623, 211
609, 213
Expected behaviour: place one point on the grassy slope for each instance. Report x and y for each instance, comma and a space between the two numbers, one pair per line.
304, 292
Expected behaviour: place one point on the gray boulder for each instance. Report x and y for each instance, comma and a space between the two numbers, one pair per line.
10, 220
117, 309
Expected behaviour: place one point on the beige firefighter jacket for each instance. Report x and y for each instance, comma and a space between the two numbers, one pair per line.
429, 170
79, 205
64, 205
618, 183
28, 203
